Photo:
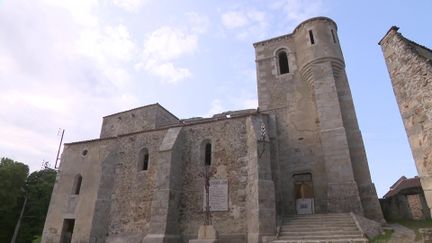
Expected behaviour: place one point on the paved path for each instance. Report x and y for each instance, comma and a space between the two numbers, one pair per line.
402, 234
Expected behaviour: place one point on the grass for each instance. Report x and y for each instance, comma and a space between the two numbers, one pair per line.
382, 238
411, 224
415, 225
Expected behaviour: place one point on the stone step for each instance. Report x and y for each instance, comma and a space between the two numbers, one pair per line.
346, 221
320, 228
333, 215
321, 237
317, 218
342, 220
321, 233
353, 240
318, 225
295, 228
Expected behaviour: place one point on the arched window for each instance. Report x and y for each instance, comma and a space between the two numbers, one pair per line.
143, 159
207, 154
77, 184
283, 62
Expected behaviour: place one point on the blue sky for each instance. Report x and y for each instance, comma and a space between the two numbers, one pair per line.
66, 64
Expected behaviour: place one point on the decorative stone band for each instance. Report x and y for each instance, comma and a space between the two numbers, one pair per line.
306, 71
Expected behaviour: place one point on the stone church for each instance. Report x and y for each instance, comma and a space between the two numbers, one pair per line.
299, 153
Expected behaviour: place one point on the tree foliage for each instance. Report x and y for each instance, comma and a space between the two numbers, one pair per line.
13, 176
15, 185
39, 188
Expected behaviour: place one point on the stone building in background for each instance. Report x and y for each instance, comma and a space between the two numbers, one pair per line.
405, 200
300, 152
410, 68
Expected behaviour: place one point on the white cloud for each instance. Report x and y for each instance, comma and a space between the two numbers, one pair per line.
245, 23
296, 11
167, 71
168, 43
215, 108
61, 66
130, 5
234, 19
250, 103
162, 47
80, 10
198, 23
106, 44
38, 101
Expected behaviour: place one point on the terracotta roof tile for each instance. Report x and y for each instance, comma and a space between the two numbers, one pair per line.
402, 184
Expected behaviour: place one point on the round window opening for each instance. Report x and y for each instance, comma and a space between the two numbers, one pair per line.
84, 152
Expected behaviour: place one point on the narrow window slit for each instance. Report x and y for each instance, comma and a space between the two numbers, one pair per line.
207, 159
143, 159
333, 36
283, 62
77, 184
311, 37
145, 162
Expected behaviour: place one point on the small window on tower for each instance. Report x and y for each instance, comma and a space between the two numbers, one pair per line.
77, 184
311, 37
143, 159
207, 155
283, 62
333, 36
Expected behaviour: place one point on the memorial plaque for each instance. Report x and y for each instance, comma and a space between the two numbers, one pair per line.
218, 195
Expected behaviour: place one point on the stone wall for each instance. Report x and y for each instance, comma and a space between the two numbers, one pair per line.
410, 69
229, 161
121, 202
407, 204
133, 188
368, 227
88, 159
137, 120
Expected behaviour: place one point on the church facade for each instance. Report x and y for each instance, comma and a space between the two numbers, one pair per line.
300, 152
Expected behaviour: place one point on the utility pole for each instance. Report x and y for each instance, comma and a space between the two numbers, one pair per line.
17, 226
58, 151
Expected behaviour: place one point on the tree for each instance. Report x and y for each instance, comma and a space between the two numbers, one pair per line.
39, 188
13, 176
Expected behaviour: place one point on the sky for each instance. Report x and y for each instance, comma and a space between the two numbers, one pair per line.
66, 64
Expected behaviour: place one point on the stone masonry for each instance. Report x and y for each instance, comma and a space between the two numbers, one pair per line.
300, 152
410, 68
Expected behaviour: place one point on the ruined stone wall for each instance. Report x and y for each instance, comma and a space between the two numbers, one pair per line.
407, 204
410, 69
83, 159
229, 161
136, 120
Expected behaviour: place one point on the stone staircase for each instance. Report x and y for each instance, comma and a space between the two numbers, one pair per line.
339, 227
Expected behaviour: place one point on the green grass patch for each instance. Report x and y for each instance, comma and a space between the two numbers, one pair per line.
382, 238
415, 225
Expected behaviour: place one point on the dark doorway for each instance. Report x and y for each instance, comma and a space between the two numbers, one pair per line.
67, 231
304, 193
